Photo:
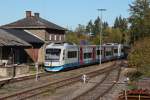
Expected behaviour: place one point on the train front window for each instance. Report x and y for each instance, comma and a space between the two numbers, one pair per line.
53, 54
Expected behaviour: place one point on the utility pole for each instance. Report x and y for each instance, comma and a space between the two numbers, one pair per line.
101, 27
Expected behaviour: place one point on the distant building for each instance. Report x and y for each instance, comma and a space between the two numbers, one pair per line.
42, 29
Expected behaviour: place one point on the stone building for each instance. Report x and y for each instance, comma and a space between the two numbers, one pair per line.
19, 45
40, 28
9, 47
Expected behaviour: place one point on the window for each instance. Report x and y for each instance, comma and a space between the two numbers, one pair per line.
64, 37
108, 53
98, 52
122, 50
87, 55
72, 54
115, 50
50, 37
60, 37
52, 54
55, 37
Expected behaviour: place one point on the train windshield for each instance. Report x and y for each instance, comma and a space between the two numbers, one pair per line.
53, 54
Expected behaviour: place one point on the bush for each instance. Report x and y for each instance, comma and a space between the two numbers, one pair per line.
139, 57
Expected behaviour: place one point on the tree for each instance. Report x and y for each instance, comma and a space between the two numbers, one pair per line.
97, 27
114, 35
105, 25
89, 27
139, 19
72, 37
121, 23
139, 56
80, 29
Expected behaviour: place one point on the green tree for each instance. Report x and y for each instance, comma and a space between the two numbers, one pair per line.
89, 27
139, 19
72, 37
105, 25
121, 23
139, 56
114, 35
97, 23
80, 29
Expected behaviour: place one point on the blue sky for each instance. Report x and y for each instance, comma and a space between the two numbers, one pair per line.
67, 13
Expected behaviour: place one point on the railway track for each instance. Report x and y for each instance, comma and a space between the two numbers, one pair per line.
20, 79
24, 78
102, 87
48, 86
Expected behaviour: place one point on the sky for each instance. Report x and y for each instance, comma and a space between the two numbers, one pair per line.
66, 13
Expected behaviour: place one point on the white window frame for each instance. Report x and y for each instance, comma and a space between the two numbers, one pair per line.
50, 37
55, 38
60, 38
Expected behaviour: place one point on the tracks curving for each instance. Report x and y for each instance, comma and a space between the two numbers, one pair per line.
102, 87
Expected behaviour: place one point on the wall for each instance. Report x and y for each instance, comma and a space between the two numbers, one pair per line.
40, 33
50, 35
8, 71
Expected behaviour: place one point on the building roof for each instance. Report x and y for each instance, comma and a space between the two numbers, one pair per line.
25, 36
6, 39
33, 22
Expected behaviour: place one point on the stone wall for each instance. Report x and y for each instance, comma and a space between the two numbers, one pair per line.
8, 71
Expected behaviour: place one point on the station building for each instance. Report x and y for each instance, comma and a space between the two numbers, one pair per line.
37, 32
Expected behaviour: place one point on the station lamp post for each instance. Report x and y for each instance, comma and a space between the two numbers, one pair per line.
100, 34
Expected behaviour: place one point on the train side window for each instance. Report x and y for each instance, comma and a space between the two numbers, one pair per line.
87, 55
72, 54
122, 50
115, 50
98, 52
108, 53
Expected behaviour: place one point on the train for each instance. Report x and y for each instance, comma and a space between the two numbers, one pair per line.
60, 56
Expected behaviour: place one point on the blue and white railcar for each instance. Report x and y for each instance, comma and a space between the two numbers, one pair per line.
59, 56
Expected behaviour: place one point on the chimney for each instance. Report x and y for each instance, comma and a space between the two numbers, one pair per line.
36, 15
28, 14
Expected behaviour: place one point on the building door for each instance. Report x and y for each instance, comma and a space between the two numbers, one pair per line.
16, 54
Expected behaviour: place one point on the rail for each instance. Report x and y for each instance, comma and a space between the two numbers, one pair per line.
31, 92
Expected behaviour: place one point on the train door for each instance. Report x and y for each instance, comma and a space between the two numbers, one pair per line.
81, 55
112, 49
94, 54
